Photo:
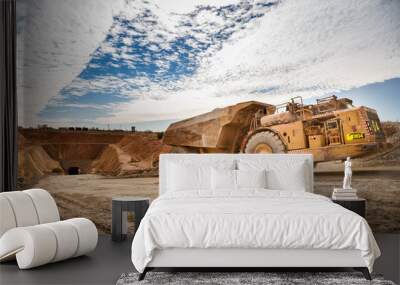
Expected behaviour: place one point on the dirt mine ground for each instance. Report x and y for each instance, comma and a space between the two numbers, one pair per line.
381, 189
90, 195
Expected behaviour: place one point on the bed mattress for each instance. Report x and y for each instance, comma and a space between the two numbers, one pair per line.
252, 219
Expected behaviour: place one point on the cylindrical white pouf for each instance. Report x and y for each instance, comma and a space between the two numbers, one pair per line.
87, 234
34, 246
67, 240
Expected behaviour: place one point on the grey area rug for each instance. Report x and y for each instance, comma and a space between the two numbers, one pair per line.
228, 278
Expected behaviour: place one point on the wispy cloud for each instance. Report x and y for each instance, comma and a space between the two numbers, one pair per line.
56, 39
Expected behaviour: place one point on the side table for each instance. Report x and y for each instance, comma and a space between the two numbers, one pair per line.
356, 205
120, 208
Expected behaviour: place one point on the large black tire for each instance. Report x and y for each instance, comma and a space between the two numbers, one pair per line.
264, 142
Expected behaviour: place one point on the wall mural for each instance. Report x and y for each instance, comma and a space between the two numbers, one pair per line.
104, 87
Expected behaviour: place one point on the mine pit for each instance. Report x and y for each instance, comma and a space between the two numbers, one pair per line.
45, 152
74, 170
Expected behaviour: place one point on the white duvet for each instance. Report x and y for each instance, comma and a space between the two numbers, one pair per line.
250, 219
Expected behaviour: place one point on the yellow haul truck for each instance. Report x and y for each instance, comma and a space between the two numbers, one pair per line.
331, 129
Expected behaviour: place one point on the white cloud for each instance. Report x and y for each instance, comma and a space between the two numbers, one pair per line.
127, 41
307, 44
308, 48
56, 42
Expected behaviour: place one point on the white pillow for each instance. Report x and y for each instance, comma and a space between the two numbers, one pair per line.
184, 178
286, 174
187, 175
223, 179
251, 178
291, 178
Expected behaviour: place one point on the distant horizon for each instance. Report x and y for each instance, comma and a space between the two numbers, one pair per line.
126, 130
67, 128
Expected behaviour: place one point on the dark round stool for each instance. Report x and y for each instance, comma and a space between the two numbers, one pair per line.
120, 208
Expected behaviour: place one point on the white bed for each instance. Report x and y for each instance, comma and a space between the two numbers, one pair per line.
197, 224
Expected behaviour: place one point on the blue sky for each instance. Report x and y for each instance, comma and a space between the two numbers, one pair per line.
384, 97
128, 53
149, 63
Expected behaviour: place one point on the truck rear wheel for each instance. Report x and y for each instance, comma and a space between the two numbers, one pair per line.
264, 142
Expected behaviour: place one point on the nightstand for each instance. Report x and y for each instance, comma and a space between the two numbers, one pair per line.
120, 208
356, 205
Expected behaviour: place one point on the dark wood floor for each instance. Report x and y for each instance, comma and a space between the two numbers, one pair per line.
110, 260
103, 266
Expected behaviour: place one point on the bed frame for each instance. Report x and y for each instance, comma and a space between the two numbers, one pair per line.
248, 259
245, 259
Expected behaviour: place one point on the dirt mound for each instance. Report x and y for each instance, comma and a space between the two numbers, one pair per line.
108, 162
392, 132
34, 163
144, 150
135, 155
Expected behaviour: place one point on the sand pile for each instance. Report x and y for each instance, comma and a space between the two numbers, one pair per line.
108, 162
392, 132
144, 150
135, 155
34, 163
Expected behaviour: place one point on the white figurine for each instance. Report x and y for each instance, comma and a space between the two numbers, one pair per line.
347, 174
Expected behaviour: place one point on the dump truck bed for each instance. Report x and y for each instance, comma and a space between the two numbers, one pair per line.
219, 129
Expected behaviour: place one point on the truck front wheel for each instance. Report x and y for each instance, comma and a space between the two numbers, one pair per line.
264, 142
